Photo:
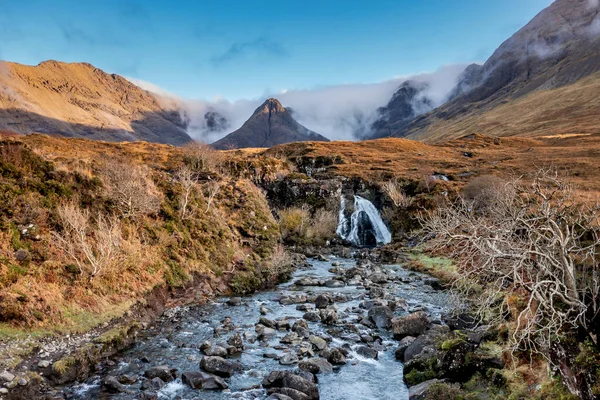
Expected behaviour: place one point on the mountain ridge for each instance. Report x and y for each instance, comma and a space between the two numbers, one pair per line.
80, 100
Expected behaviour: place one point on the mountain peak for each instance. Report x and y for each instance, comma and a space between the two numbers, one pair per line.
270, 106
270, 125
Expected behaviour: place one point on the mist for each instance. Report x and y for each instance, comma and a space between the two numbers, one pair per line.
338, 112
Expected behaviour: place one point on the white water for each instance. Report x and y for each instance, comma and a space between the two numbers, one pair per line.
381, 232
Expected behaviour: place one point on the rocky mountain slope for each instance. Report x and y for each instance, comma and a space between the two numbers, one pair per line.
79, 100
557, 49
270, 125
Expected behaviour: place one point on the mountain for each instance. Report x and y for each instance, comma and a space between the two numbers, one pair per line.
550, 57
79, 100
270, 125
407, 103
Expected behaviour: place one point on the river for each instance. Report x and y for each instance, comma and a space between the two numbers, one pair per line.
174, 340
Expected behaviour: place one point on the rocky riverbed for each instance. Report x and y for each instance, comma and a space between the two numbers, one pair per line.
340, 329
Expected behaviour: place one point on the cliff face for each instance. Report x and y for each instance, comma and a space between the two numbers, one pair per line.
271, 124
79, 100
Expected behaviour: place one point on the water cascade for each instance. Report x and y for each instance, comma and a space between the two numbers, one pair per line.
365, 226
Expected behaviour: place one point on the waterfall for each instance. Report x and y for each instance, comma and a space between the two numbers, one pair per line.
365, 226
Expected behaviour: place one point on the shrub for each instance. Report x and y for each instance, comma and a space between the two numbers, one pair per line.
322, 227
130, 189
201, 157
395, 192
94, 246
293, 223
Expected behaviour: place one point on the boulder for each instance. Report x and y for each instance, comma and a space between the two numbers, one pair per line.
234, 301
322, 301
378, 278
419, 392
329, 316
381, 316
153, 384
312, 316
316, 366
112, 385
318, 342
218, 366
162, 371
288, 359
367, 352
402, 346
413, 324
201, 380
292, 385
217, 351
336, 357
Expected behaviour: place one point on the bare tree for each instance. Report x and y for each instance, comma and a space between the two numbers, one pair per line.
188, 180
201, 157
212, 189
131, 189
396, 193
93, 245
532, 242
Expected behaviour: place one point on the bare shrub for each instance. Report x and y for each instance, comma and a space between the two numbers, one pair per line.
201, 157
279, 265
94, 245
131, 189
322, 226
396, 193
211, 190
533, 251
482, 191
188, 181
293, 222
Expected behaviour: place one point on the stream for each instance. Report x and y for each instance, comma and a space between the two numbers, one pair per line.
176, 338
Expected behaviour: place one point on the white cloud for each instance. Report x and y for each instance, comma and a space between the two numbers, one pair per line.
338, 112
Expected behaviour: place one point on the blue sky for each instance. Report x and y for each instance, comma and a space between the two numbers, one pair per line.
243, 49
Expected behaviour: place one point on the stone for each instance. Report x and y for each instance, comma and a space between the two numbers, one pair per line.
264, 310
367, 352
334, 283
425, 342
236, 341
201, 380
413, 324
381, 316
318, 342
216, 351
267, 322
288, 359
218, 366
44, 364
312, 316
3, 390
291, 384
6, 376
126, 379
162, 371
22, 381
316, 366
378, 278
265, 332
321, 301
336, 357
329, 316
153, 384
305, 307
402, 346
419, 392
149, 395
112, 385
278, 396
290, 338
234, 301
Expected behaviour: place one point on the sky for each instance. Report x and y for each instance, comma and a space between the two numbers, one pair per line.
235, 50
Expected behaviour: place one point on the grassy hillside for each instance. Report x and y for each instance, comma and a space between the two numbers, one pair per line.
571, 109
88, 228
